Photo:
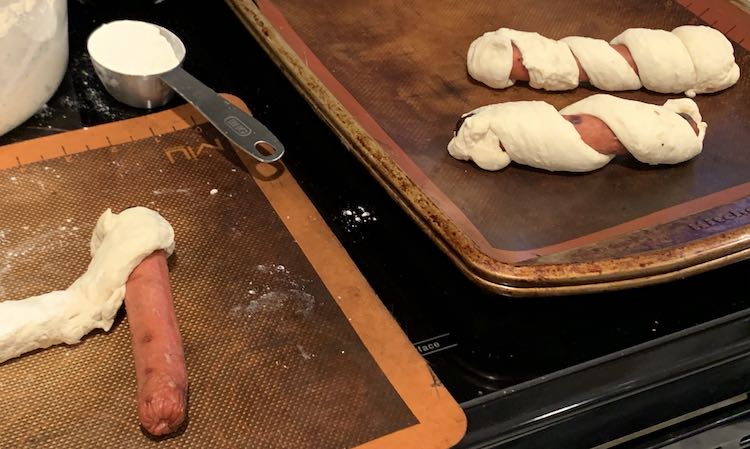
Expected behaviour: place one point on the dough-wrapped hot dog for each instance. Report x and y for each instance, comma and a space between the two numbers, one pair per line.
118, 244
581, 137
691, 59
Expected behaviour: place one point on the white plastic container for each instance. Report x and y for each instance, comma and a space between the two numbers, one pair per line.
33, 56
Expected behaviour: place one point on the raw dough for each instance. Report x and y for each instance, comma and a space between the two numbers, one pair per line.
550, 63
531, 132
488, 61
717, 69
118, 244
606, 68
664, 64
691, 59
534, 133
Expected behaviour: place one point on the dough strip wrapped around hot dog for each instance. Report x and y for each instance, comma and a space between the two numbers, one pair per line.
691, 59
118, 244
581, 137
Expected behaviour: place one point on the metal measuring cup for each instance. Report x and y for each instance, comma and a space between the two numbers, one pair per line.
154, 90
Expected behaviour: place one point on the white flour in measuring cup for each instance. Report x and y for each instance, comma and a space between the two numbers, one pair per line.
33, 56
131, 47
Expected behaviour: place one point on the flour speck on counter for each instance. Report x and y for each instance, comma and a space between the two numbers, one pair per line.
272, 268
354, 217
274, 289
304, 353
45, 112
91, 97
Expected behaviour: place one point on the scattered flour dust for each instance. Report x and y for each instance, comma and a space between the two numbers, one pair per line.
277, 294
305, 355
45, 112
91, 95
272, 268
166, 191
68, 102
356, 216
301, 303
43, 239
96, 100
275, 289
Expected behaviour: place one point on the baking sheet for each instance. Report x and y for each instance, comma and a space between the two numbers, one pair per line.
391, 80
285, 343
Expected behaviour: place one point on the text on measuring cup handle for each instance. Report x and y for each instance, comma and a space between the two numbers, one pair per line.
238, 126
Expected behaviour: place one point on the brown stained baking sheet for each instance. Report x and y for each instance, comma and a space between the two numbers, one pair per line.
390, 78
286, 345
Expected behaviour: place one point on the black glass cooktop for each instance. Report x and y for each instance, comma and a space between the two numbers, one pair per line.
488, 350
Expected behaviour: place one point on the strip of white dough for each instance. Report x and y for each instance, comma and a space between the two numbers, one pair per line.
118, 244
713, 58
605, 67
664, 64
652, 134
477, 141
532, 132
550, 63
490, 60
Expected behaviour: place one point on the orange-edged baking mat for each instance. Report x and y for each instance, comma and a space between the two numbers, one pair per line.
286, 344
390, 78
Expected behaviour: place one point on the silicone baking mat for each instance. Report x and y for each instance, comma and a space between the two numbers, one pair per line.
391, 79
286, 345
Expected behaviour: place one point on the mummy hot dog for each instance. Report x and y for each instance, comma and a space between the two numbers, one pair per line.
690, 59
118, 244
583, 136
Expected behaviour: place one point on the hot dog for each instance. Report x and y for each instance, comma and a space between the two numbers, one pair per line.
519, 72
157, 347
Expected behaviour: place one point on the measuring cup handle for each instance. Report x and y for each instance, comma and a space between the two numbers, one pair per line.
237, 125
